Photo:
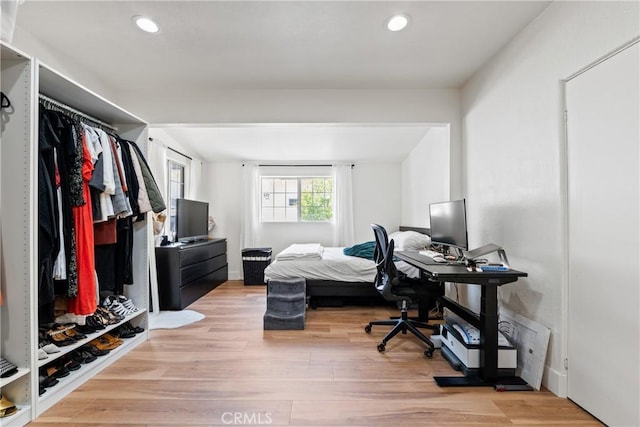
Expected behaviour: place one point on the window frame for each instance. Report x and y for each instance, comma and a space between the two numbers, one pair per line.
299, 179
171, 160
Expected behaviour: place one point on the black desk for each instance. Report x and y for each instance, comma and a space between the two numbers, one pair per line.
486, 322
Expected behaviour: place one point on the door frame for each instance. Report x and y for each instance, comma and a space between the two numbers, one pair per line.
563, 386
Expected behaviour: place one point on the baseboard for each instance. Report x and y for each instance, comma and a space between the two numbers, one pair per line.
235, 275
555, 382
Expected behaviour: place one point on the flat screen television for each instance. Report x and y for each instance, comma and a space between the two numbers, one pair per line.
192, 220
449, 224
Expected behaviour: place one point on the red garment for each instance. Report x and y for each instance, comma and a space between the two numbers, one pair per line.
105, 232
85, 303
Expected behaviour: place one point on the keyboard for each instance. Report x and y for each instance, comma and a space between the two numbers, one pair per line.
7, 368
431, 254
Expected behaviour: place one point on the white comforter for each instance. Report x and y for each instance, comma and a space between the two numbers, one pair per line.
301, 251
334, 265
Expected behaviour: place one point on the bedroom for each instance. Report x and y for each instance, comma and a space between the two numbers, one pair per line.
505, 134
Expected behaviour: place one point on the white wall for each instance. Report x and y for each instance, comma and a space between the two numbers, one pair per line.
306, 106
193, 180
223, 186
377, 198
60, 62
425, 177
513, 143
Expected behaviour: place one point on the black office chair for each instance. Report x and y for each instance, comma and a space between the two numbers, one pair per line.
394, 286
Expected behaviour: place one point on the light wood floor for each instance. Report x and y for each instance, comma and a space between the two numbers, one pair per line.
225, 370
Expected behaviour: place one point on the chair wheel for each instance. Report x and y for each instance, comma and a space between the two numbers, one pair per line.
381, 347
429, 353
367, 329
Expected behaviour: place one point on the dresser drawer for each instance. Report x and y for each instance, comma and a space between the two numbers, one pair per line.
199, 252
195, 271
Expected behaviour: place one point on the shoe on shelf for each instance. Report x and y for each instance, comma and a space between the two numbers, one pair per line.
7, 407
95, 322
82, 355
95, 351
119, 305
57, 371
42, 354
85, 329
51, 348
72, 365
109, 316
127, 303
58, 337
46, 381
106, 342
119, 309
73, 333
7, 368
128, 327
123, 332
45, 343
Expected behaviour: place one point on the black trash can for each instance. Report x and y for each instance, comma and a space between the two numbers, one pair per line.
254, 261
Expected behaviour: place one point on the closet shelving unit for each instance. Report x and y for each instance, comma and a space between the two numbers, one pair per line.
23, 79
18, 218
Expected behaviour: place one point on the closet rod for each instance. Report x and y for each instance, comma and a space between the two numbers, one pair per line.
295, 166
74, 111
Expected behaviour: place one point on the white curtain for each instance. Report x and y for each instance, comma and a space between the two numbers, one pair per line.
249, 205
343, 234
157, 158
195, 179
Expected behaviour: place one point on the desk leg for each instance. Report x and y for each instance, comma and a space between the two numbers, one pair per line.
488, 375
489, 333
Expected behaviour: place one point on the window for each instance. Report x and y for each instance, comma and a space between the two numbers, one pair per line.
296, 199
176, 189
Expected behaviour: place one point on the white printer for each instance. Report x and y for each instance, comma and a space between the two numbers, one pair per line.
461, 347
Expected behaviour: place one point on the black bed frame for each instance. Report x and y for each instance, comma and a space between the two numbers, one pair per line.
329, 293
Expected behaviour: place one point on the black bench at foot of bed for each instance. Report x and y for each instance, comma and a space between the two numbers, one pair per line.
328, 293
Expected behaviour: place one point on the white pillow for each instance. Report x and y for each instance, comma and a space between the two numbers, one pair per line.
410, 240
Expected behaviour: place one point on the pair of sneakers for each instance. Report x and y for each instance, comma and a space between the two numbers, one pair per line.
120, 305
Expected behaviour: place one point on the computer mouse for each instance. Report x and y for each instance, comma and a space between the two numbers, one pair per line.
439, 259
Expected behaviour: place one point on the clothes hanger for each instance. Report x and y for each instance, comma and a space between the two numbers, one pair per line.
5, 102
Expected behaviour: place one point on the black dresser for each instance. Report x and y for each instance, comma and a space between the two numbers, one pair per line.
188, 271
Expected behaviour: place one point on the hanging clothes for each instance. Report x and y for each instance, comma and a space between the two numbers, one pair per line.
47, 221
57, 157
84, 303
155, 196
143, 198
92, 187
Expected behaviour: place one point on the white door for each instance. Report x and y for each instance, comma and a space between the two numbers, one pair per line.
603, 198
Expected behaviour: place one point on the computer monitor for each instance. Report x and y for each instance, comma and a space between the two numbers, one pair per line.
449, 224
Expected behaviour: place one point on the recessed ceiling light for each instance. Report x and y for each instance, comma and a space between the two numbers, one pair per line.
146, 24
398, 22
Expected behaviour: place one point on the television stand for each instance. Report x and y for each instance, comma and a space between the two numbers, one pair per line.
187, 271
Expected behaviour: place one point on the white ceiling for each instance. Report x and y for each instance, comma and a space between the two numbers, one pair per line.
279, 45
299, 142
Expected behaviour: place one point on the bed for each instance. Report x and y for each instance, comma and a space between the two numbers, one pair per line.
334, 279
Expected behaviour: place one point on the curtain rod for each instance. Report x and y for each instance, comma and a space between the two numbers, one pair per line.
74, 111
292, 166
176, 151
296, 166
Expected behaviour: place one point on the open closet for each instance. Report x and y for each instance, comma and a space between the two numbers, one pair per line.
24, 82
